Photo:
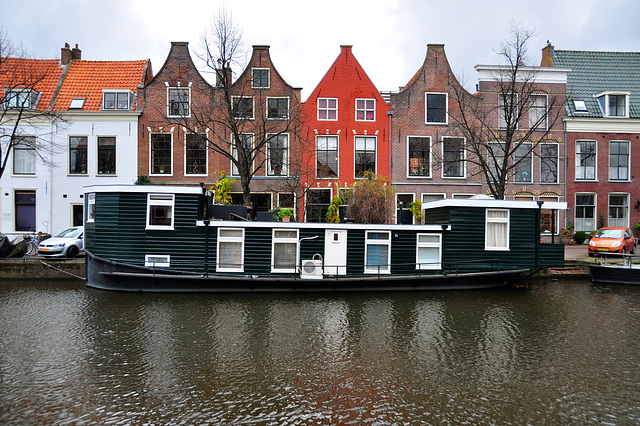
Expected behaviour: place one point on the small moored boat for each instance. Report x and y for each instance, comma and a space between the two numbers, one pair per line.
625, 272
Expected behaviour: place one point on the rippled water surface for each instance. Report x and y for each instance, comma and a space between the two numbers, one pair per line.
550, 353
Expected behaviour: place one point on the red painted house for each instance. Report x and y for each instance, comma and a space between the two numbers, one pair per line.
346, 128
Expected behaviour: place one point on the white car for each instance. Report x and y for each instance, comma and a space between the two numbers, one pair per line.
68, 243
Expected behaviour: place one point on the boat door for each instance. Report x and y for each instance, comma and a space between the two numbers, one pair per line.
335, 252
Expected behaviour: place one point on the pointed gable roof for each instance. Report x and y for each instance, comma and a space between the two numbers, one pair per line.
42, 75
87, 79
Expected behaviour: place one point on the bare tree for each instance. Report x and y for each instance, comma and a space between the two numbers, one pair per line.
505, 124
25, 122
372, 200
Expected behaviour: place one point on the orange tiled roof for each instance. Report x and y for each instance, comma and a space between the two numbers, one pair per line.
86, 79
41, 74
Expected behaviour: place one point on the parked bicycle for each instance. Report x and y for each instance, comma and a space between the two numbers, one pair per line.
33, 242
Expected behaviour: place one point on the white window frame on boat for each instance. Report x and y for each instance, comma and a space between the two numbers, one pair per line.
496, 235
157, 260
368, 242
276, 240
160, 200
230, 239
91, 207
426, 244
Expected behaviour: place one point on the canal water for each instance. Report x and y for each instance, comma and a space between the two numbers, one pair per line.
553, 352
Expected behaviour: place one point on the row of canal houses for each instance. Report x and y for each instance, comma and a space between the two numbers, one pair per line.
120, 122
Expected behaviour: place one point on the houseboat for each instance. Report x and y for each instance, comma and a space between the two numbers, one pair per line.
163, 239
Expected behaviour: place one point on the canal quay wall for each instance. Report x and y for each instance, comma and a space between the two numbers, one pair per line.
34, 267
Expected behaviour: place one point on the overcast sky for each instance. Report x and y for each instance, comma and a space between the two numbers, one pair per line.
389, 38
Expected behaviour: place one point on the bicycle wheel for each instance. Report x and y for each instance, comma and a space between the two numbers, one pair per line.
33, 249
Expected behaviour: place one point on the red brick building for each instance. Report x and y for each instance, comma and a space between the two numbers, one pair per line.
346, 131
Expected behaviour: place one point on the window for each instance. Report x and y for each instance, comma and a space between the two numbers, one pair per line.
580, 106
284, 250
178, 101
77, 155
25, 208
230, 250
327, 109
496, 230
453, 157
24, 155
549, 163
365, 110
327, 156
365, 155
613, 104
160, 211
278, 155
377, 252
106, 155
419, 156
495, 159
436, 108
243, 108
286, 199
585, 212
77, 103
246, 142
195, 154
161, 153
77, 214
157, 260
619, 210
427, 198
115, 100
20, 98
549, 217
260, 78
523, 163
538, 112
278, 108
318, 201
428, 251
618, 160
585, 160
508, 111
91, 207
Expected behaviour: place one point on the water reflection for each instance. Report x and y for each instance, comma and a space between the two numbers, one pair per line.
550, 353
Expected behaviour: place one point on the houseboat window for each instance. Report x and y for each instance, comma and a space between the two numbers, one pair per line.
157, 261
497, 230
230, 250
377, 252
428, 251
160, 211
284, 250
91, 207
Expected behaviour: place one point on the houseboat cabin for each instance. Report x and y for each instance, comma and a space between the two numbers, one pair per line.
161, 238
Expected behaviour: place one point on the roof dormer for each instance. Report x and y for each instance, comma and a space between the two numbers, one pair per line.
117, 99
613, 104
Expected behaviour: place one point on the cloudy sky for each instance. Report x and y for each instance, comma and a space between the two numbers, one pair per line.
389, 38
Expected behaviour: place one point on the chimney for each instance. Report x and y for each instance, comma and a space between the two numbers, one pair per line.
76, 53
65, 54
547, 55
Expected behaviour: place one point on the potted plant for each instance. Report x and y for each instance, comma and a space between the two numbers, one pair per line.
565, 236
285, 214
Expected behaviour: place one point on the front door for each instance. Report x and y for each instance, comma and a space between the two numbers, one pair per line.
335, 252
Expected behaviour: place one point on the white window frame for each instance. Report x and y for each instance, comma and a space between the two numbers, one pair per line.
268, 86
557, 162
326, 139
116, 94
446, 109
374, 269
285, 160
157, 260
424, 244
234, 153
625, 223
253, 108
491, 160
327, 109
525, 146
534, 117
502, 119
160, 200
230, 239
365, 109
151, 156
628, 166
91, 207
605, 108
355, 150
20, 98
463, 161
24, 153
503, 245
582, 221
270, 98
430, 165
285, 240
179, 88
206, 155
595, 164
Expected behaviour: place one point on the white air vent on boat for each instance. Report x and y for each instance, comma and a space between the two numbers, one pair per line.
312, 269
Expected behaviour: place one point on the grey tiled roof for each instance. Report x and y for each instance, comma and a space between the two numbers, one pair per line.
595, 72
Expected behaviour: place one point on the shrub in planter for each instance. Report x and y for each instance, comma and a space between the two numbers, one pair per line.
580, 236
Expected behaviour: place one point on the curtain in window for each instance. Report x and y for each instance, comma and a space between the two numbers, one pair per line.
497, 228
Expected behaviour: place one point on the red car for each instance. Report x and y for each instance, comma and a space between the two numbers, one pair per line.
612, 240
